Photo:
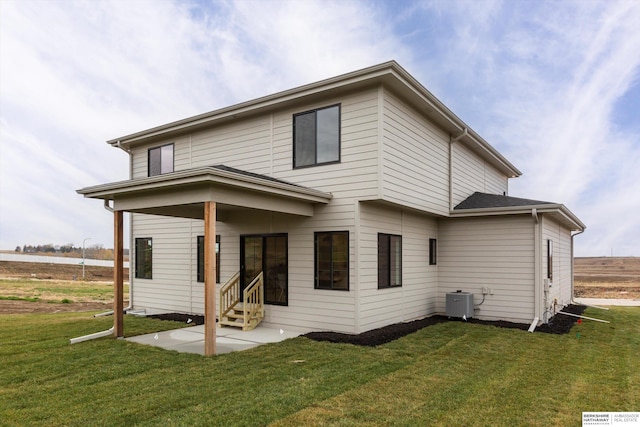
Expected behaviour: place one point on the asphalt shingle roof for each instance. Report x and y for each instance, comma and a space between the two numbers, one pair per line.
483, 200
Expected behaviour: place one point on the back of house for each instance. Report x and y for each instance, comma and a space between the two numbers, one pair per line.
362, 200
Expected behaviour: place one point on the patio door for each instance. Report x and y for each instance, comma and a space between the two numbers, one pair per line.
266, 253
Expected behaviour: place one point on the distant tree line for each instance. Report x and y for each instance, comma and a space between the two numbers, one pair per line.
96, 251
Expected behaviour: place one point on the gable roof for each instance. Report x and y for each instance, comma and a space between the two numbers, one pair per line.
389, 74
484, 204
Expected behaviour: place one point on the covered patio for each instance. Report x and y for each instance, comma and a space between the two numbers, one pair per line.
192, 339
209, 194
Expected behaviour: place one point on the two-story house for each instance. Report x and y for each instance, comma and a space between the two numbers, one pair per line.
362, 199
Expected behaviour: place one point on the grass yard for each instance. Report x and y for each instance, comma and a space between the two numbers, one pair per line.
56, 290
452, 373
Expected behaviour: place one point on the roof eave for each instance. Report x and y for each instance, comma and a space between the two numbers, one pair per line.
204, 175
561, 209
380, 73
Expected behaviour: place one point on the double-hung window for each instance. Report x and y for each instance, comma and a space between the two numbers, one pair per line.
144, 259
160, 160
200, 269
316, 137
332, 260
389, 260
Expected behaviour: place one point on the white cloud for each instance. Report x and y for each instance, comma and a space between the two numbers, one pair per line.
539, 80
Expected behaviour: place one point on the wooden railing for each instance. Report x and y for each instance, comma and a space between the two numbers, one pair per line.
250, 309
254, 303
229, 296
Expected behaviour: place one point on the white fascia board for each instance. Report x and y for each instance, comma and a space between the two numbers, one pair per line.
386, 72
555, 208
205, 175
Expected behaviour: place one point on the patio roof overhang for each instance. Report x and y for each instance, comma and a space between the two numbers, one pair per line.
200, 193
184, 193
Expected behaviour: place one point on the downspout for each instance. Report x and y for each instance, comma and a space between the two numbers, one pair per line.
536, 272
91, 336
573, 266
452, 141
130, 306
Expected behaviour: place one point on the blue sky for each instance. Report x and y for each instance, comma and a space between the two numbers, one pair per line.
554, 86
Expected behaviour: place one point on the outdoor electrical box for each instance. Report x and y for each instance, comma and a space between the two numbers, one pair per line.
459, 304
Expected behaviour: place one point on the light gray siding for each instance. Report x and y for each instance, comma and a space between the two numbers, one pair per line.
416, 297
471, 174
560, 290
263, 145
414, 159
497, 253
170, 286
389, 153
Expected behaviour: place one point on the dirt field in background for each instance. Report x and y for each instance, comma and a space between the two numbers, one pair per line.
38, 270
594, 278
607, 277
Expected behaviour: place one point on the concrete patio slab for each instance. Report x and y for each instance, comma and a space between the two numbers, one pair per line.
191, 339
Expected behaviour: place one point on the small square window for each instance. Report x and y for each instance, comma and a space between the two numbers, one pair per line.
316, 137
144, 258
389, 260
160, 160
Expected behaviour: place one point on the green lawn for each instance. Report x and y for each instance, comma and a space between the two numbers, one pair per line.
56, 290
448, 374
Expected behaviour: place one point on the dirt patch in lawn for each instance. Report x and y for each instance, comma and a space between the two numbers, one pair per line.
15, 307
37, 270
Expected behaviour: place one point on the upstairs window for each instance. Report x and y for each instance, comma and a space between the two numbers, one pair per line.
144, 258
160, 160
316, 137
389, 260
332, 260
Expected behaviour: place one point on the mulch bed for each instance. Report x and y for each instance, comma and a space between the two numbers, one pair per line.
559, 324
192, 319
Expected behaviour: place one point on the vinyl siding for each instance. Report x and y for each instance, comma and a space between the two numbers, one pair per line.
561, 237
170, 287
388, 152
414, 159
497, 253
471, 174
416, 297
264, 145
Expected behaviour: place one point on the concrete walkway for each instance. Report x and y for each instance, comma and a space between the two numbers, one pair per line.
191, 339
604, 302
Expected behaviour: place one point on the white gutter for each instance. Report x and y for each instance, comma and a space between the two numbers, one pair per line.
92, 336
573, 272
